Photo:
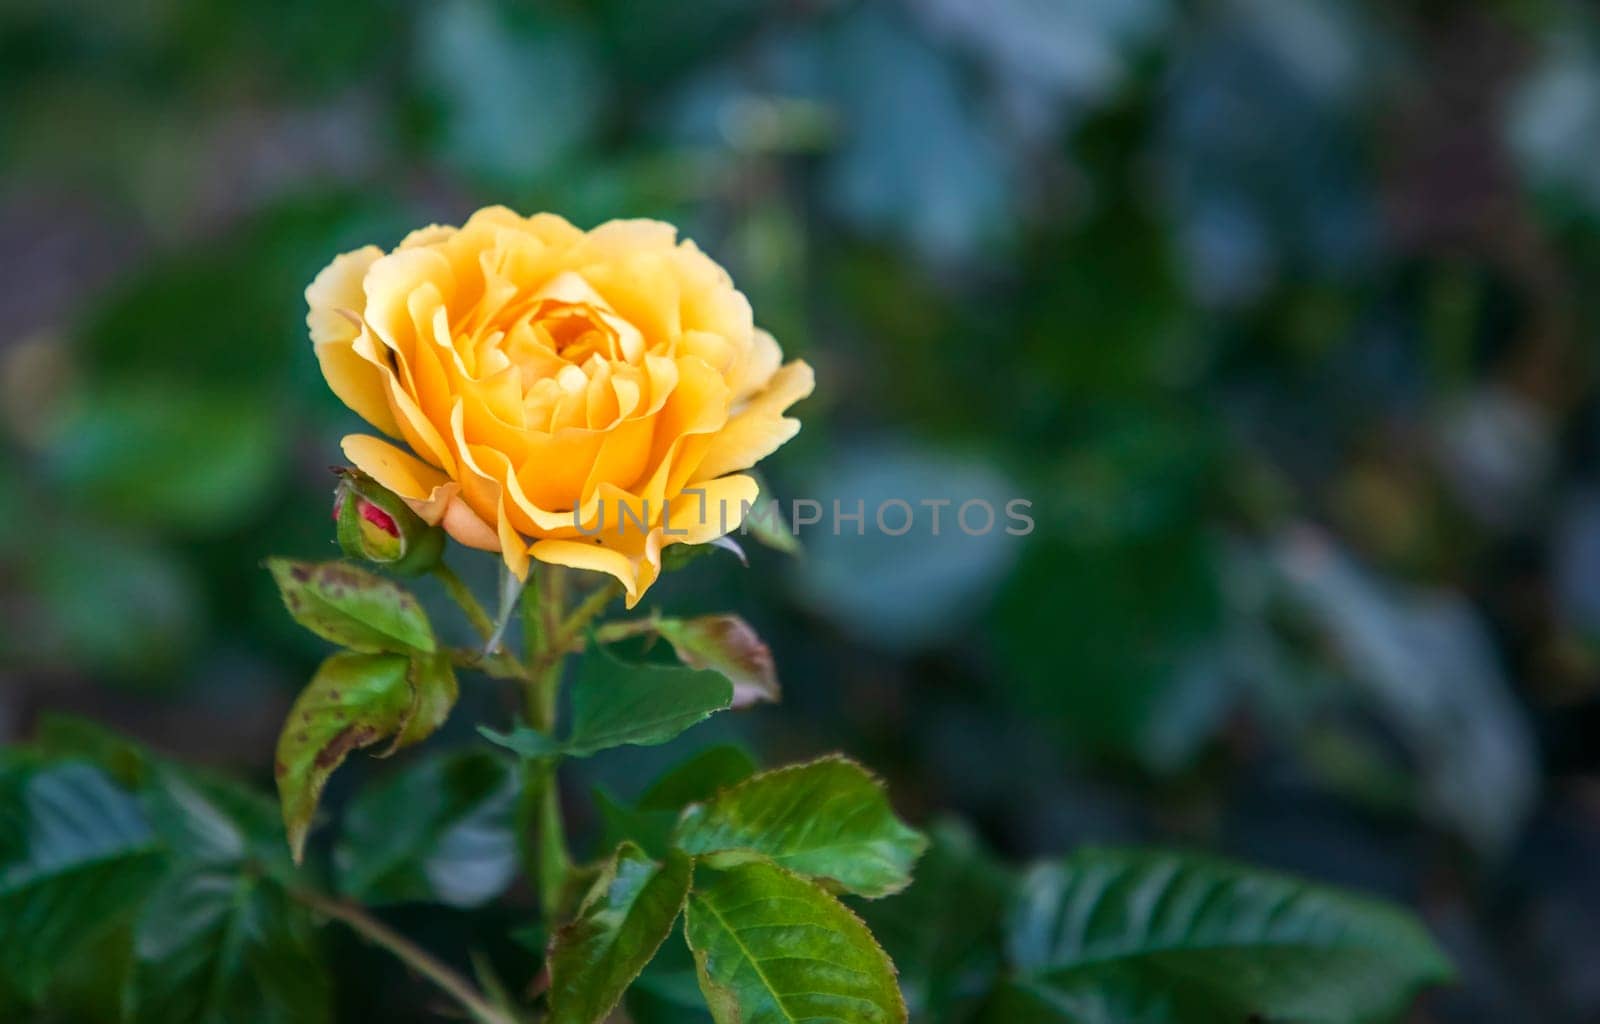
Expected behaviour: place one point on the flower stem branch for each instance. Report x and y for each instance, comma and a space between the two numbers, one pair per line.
549, 860
554, 862
553, 637
496, 666
379, 934
591, 607
463, 596
533, 621
612, 632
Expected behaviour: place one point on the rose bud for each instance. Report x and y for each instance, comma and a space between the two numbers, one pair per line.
376, 526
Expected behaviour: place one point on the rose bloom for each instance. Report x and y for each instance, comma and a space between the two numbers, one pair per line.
557, 388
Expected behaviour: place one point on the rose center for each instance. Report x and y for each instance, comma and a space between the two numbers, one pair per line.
576, 338
575, 331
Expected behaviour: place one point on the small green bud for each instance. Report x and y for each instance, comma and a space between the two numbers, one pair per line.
374, 525
677, 556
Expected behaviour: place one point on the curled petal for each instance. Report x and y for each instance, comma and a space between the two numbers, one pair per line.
760, 428
710, 509
335, 300
430, 494
594, 557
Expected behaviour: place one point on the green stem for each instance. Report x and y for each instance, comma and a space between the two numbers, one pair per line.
543, 615
554, 862
552, 637
495, 666
555, 596
565, 636
463, 596
550, 633
591, 607
408, 952
533, 625
612, 632
549, 860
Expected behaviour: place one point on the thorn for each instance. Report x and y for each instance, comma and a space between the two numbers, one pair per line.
510, 590
729, 544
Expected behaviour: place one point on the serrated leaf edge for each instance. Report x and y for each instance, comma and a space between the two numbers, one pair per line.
752, 854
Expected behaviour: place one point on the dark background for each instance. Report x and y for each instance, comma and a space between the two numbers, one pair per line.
1281, 312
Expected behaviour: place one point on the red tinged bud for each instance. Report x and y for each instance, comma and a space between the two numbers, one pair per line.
379, 518
376, 526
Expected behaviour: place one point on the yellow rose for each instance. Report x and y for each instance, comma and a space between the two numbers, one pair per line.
580, 398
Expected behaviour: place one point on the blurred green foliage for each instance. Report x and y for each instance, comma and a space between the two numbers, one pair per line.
1275, 309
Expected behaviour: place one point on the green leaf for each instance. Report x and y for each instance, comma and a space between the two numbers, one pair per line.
438, 830
89, 986
434, 690
352, 607
354, 701
766, 523
627, 915
617, 704
80, 854
526, 743
944, 932
726, 644
622, 822
76, 854
698, 778
224, 946
206, 816
774, 948
828, 820
254, 813
64, 737
651, 820
189, 820
1112, 935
